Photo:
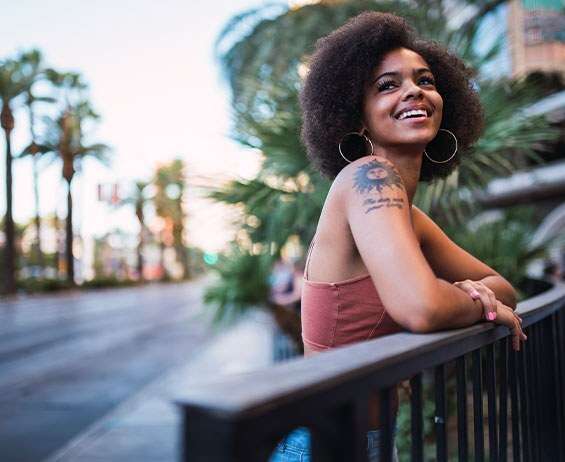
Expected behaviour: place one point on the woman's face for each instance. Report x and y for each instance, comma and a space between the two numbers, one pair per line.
401, 82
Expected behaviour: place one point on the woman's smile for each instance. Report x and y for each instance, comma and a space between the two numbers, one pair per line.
418, 120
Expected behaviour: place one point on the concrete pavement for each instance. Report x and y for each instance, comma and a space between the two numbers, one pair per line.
91, 375
146, 427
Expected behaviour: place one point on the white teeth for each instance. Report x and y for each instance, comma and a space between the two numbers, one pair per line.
412, 112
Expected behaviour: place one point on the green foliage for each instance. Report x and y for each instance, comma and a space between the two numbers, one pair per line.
102, 282
505, 244
273, 213
243, 283
37, 285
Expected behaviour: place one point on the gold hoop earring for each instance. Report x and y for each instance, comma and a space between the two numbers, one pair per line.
360, 135
451, 157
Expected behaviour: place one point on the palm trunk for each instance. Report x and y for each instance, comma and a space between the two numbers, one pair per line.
180, 249
40, 259
69, 237
162, 248
34, 153
141, 218
140, 253
7, 122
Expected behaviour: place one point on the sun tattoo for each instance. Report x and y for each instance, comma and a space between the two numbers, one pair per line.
376, 175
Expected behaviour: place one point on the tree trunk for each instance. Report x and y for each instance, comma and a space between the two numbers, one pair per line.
162, 247
69, 237
39, 253
180, 249
34, 154
140, 252
7, 122
141, 218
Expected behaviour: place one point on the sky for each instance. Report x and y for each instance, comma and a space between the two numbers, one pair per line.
157, 86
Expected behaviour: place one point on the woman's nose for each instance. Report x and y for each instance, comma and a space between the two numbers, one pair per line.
412, 91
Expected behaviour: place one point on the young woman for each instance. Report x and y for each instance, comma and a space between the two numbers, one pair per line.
384, 110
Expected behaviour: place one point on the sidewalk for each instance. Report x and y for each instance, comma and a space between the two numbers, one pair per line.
146, 427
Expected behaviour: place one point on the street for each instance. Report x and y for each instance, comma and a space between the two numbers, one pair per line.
67, 360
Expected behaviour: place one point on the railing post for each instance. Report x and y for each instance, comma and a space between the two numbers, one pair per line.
534, 390
478, 406
551, 437
387, 421
416, 419
353, 426
462, 439
525, 403
206, 439
503, 407
558, 356
440, 414
491, 401
517, 440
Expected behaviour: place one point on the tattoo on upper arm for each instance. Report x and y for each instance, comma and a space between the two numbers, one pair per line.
376, 175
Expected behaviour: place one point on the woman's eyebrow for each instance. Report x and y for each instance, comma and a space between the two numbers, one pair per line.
418, 71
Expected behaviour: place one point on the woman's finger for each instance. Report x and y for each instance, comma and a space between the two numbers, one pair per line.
485, 299
516, 343
493, 302
519, 334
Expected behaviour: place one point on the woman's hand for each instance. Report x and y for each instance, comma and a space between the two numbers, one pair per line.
478, 291
507, 317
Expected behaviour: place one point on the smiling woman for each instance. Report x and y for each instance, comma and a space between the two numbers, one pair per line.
382, 111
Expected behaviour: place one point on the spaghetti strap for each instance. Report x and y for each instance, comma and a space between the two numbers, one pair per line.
308, 257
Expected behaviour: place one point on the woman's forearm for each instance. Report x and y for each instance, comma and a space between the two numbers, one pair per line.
453, 308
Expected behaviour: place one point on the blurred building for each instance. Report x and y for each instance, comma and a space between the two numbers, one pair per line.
536, 36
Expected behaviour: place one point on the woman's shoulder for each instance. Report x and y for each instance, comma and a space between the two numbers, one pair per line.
367, 175
350, 175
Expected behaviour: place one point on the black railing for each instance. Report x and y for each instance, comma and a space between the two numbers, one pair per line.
242, 417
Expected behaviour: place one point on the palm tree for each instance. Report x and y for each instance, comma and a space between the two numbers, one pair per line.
32, 65
139, 199
13, 83
170, 185
64, 137
72, 152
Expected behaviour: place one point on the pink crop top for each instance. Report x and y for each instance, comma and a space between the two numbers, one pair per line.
339, 313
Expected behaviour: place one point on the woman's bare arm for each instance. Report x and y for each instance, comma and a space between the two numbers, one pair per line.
377, 209
453, 263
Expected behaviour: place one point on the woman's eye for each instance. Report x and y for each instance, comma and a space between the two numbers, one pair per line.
430, 80
385, 85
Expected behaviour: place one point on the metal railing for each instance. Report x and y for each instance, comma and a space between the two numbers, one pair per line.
242, 417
